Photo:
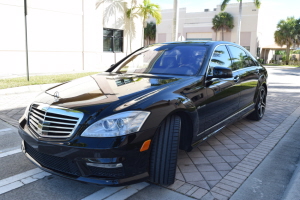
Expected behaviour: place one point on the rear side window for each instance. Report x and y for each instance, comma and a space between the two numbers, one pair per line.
239, 58
220, 57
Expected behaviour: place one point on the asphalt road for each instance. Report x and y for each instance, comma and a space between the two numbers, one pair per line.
284, 83
20, 179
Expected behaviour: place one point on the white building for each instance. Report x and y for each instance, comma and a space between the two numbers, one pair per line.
66, 35
257, 28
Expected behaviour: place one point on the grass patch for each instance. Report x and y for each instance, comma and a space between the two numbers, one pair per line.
281, 65
37, 80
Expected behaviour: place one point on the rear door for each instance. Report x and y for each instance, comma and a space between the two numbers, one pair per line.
248, 73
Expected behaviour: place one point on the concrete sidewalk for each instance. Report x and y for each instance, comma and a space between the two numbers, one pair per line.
278, 176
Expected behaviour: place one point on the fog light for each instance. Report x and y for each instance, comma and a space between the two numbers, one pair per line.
115, 165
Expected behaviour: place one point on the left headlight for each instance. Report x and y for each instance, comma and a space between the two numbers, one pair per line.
117, 125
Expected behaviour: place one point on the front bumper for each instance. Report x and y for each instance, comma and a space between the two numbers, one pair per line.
69, 160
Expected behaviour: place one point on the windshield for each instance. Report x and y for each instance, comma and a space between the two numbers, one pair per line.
166, 59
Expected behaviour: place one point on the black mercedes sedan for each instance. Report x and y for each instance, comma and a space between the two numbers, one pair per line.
126, 125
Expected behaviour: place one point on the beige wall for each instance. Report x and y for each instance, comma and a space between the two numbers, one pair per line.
63, 35
253, 31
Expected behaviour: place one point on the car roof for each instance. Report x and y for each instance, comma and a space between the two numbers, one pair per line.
206, 43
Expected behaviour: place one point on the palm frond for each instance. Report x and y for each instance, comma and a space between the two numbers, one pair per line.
222, 20
257, 3
224, 4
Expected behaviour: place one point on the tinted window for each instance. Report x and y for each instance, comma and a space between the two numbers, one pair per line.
220, 57
166, 59
239, 58
112, 40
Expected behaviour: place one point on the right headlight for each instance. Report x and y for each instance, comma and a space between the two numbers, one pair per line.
117, 125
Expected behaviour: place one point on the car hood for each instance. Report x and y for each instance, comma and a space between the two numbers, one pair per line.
103, 89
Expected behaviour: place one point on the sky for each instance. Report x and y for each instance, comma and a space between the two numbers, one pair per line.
280, 9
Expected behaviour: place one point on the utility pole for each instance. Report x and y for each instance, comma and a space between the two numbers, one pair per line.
175, 21
26, 42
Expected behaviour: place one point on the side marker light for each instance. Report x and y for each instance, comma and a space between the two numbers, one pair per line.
145, 145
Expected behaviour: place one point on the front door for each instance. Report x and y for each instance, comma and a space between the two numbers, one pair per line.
222, 96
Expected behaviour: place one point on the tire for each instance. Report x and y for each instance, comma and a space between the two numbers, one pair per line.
260, 105
164, 152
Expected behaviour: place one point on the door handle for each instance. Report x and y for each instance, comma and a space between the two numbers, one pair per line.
256, 71
236, 79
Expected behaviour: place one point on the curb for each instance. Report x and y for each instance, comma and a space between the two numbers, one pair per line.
29, 88
292, 191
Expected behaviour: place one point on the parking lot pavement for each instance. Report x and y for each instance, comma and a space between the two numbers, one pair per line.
215, 169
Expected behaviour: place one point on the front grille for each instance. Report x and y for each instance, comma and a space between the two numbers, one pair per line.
59, 164
107, 172
52, 121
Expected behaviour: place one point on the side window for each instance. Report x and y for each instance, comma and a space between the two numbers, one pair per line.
220, 57
239, 58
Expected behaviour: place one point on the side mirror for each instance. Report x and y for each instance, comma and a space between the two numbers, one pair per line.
220, 72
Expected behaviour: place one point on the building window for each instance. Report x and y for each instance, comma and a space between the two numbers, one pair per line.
112, 40
247, 48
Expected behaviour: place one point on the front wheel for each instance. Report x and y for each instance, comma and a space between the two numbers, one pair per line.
260, 105
165, 151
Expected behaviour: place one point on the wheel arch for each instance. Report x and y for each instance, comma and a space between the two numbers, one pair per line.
187, 128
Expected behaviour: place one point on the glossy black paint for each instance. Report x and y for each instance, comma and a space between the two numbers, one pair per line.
205, 105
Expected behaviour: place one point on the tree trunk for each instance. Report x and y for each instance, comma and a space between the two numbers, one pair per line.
175, 20
239, 23
287, 59
143, 28
222, 33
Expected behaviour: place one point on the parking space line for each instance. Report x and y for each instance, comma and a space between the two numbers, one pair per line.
10, 187
128, 191
116, 193
8, 153
6, 129
103, 193
19, 176
21, 179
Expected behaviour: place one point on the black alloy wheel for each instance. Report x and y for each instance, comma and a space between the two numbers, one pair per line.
165, 151
260, 105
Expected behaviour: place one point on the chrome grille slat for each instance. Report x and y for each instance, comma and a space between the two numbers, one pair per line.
59, 127
39, 111
34, 123
72, 120
35, 126
50, 131
53, 121
36, 116
34, 119
56, 122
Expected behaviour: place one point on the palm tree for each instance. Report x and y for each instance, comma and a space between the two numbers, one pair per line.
146, 9
222, 21
257, 4
287, 34
150, 32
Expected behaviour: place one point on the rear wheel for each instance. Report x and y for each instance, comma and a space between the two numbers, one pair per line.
260, 105
164, 151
